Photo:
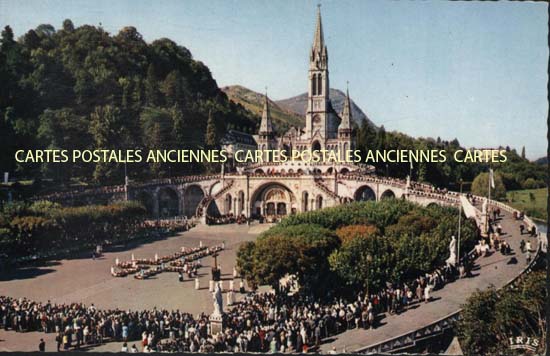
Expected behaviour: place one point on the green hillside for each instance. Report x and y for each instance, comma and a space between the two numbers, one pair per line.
532, 201
253, 102
84, 88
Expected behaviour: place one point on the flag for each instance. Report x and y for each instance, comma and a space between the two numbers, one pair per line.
469, 210
492, 178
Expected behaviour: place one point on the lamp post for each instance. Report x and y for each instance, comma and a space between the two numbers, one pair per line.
459, 222
369, 260
215, 270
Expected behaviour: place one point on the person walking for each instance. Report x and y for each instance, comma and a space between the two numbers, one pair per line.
42, 346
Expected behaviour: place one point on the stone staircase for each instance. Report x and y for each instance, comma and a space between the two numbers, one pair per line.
321, 185
201, 208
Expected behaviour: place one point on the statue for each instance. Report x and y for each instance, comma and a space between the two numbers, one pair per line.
218, 301
484, 206
451, 261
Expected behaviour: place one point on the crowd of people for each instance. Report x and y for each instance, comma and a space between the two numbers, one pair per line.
226, 219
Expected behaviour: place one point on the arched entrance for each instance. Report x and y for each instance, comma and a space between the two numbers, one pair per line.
272, 200
191, 198
364, 193
146, 199
388, 194
168, 202
316, 146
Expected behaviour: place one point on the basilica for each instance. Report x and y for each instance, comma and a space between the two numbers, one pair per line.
325, 129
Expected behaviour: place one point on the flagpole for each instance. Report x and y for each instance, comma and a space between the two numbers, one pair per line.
459, 223
489, 181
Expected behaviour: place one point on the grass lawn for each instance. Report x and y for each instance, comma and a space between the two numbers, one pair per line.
532, 201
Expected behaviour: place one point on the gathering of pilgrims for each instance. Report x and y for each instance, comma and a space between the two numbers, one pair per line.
226, 219
262, 322
187, 261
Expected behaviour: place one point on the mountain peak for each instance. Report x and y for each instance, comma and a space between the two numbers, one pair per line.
298, 105
288, 112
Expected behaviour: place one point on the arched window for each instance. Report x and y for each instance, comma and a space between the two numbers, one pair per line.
228, 203
314, 85
319, 85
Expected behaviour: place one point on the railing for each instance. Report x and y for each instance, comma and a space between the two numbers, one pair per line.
122, 188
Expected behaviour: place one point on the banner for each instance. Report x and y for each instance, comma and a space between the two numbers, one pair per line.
469, 210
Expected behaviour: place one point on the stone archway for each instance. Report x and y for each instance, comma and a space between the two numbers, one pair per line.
168, 202
364, 193
388, 194
147, 200
191, 198
272, 200
316, 145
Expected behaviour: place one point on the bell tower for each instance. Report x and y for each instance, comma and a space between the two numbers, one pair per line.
318, 106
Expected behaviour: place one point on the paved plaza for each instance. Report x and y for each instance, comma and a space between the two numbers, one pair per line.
89, 281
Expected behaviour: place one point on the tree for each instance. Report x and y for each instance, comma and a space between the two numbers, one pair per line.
363, 263
531, 183
63, 129
490, 317
108, 132
157, 129
210, 139
523, 152
68, 25
480, 186
478, 318
349, 233
151, 87
300, 250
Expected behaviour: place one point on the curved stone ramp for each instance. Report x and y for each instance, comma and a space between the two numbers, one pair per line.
493, 270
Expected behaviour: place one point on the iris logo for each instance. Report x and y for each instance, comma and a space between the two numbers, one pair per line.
524, 343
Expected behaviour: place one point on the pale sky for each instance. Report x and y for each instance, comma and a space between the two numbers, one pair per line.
476, 71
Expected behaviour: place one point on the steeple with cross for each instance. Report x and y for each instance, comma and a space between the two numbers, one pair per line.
318, 93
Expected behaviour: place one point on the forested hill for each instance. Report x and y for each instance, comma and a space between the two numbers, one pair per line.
82, 87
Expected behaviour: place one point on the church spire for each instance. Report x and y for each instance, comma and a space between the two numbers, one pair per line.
319, 55
346, 113
318, 40
266, 127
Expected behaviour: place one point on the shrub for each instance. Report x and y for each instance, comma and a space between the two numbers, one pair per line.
352, 232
